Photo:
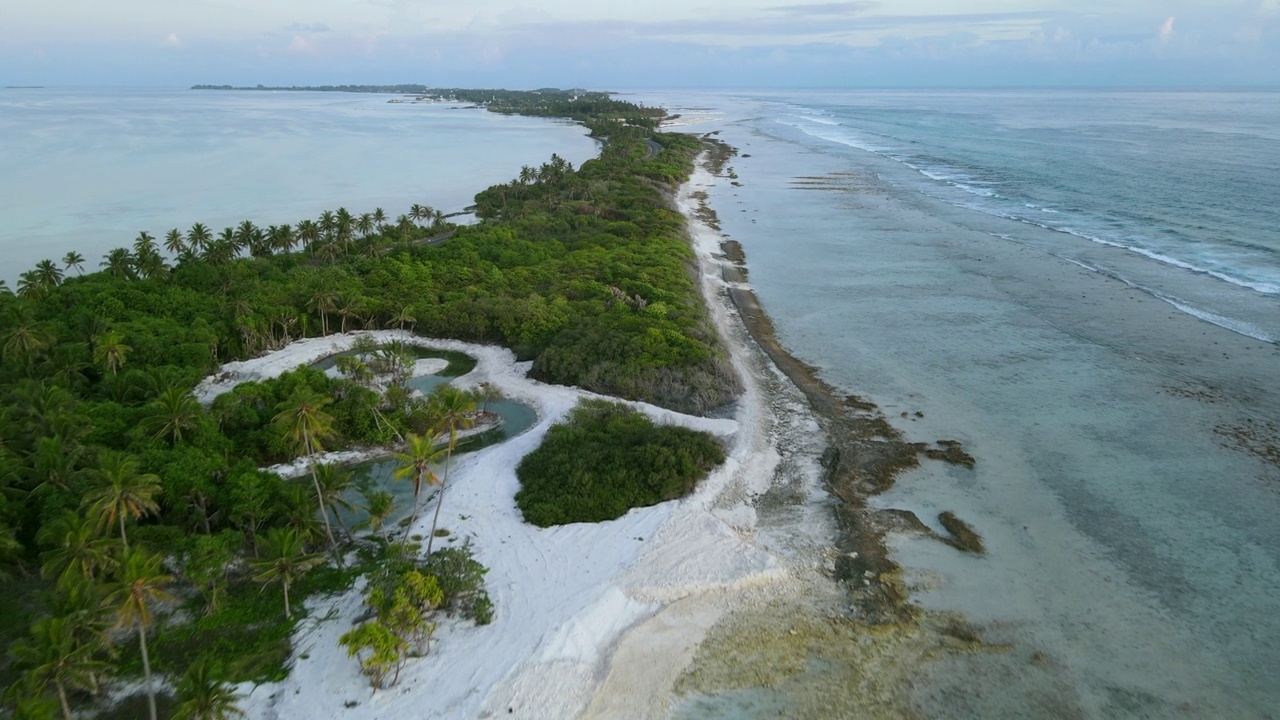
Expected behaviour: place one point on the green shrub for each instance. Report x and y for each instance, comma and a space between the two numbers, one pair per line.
608, 459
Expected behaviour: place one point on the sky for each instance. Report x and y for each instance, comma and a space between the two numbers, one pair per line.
642, 44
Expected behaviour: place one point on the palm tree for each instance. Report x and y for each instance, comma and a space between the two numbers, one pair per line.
145, 244
173, 412
334, 482
174, 242
31, 285
404, 317
308, 233
118, 263
324, 302
53, 656
78, 550
454, 408
284, 560
111, 351
26, 335
379, 218
199, 237
49, 273
203, 696
124, 493
140, 585
302, 418
75, 260
328, 223
417, 464
378, 506
243, 236
365, 224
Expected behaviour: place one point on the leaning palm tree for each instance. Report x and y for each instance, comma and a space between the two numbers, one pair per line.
202, 695
378, 506
284, 560
454, 408
140, 585
301, 417
334, 483
75, 260
123, 493
417, 464
52, 655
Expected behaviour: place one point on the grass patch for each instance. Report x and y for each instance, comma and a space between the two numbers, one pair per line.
607, 459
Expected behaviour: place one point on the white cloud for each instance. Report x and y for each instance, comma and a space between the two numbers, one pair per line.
172, 40
1166, 30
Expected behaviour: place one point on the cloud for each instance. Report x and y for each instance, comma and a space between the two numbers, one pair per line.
300, 44
172, 41
1166, 30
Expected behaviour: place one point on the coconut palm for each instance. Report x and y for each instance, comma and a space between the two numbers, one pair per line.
243, 235
378, 506
31, 285
334, 483
122, 493
25, 335
324, 302
174, 242
379, 218
52, 656
365, 224
301, 417
404, 317
173, 413
140, 585
49, 273
454, 409
144, 244
111, 351
118, 263
199, 237
202, 695
308, 233
284, 560
77, 548
328, 224
417, 464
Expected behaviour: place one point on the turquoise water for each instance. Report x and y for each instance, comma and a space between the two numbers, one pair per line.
516, 418
88, 169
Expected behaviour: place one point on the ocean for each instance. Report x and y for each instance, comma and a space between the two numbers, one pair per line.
88, 169
1084, 289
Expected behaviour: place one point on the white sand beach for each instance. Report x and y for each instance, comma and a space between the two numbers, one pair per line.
594, 620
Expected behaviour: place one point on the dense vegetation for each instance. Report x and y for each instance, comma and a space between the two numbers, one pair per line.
107, 460
606, 459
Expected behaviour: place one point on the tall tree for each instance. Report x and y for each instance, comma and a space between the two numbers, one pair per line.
454, 407
49, 273
417, 464
122, 493
111, 351
76, 548
52, 656
301, 417
174, 242
140, 586
118, 263
199, 237
284, 560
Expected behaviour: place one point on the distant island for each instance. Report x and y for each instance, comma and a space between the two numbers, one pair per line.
23, 87
409, 89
